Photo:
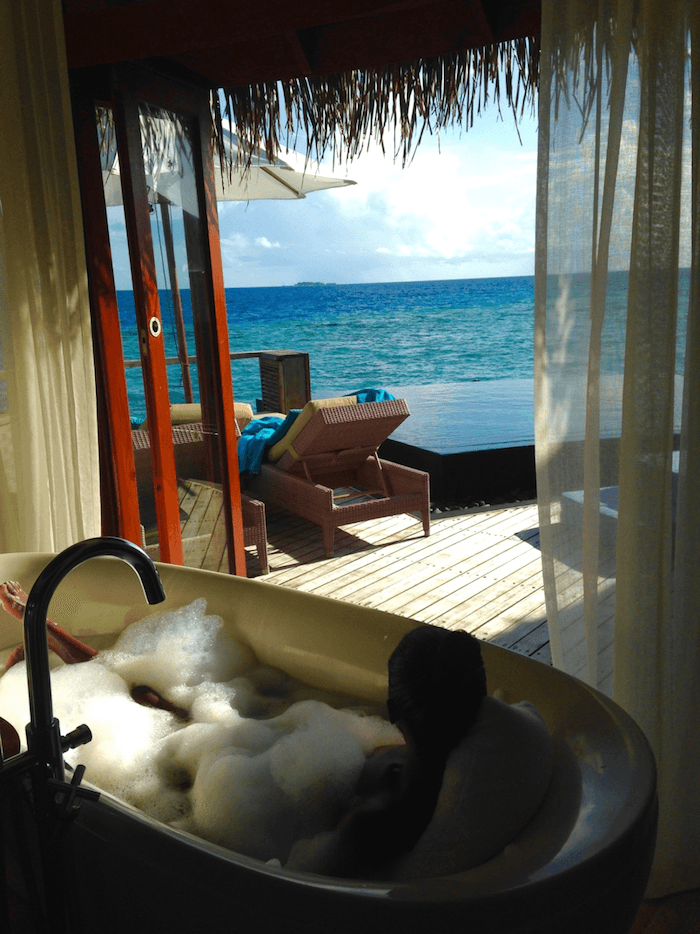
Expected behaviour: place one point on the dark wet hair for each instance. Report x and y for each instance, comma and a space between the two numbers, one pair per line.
437, 681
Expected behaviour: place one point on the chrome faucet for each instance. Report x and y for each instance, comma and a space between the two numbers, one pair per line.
44, 741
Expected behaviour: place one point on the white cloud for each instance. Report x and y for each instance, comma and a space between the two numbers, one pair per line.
461, 210
264, 242
471, 194
235, 241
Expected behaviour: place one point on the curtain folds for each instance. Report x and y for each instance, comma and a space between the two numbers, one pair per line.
617, 358
49, 476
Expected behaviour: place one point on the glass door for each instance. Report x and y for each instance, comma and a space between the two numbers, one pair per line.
162, 167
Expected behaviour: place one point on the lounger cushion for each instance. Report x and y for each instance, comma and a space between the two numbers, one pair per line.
187, 413
286, 444
182, 413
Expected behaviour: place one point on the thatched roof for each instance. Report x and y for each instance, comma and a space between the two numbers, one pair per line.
339, 114
337, 72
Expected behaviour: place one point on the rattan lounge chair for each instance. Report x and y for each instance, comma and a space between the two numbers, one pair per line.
327, 470
201, 503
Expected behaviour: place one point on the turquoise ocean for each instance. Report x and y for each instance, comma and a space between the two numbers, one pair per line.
402, 334
358, 336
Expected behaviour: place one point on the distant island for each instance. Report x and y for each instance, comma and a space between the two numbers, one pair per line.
314, 283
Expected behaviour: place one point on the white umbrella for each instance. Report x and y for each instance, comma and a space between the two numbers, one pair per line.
270, 180
262, 180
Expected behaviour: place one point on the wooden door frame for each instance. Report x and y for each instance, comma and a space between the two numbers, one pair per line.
128, 86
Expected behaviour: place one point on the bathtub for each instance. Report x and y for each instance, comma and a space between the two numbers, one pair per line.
580, 866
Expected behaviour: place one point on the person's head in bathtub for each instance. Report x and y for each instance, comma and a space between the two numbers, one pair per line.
437, 681
436, 685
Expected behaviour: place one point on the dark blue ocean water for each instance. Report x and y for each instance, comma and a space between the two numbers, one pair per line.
384, 334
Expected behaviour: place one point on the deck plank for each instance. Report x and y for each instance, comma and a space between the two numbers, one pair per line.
369, 570
479, 570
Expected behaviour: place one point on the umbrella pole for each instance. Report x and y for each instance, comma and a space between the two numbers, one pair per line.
177, 302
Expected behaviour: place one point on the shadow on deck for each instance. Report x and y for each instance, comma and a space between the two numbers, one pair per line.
480, 570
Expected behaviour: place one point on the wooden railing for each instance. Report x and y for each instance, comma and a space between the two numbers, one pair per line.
243, 355
285, 379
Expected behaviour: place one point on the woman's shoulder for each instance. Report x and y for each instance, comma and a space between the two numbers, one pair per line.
508, 746
497, 720
494, 782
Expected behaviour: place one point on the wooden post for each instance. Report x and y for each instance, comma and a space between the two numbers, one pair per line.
119, 500
177, 301
216, 326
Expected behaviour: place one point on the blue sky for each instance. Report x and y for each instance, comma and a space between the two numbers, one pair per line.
464, 208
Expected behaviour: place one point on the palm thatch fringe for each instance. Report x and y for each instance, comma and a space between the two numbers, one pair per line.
580, 66
339, 115
165, 142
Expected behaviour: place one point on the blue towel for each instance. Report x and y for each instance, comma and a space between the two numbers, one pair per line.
258, 436
372, 395
262, 433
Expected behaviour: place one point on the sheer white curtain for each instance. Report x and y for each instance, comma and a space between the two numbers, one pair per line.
49, 476
617, 383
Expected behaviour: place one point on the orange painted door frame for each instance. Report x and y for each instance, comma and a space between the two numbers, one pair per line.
148, 321
124, 88
119, 498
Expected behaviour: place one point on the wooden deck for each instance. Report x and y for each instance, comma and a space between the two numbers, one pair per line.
479, 570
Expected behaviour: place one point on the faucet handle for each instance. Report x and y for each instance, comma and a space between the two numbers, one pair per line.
77, 737
69, 791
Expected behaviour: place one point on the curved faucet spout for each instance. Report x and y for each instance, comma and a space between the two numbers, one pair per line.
36, 648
